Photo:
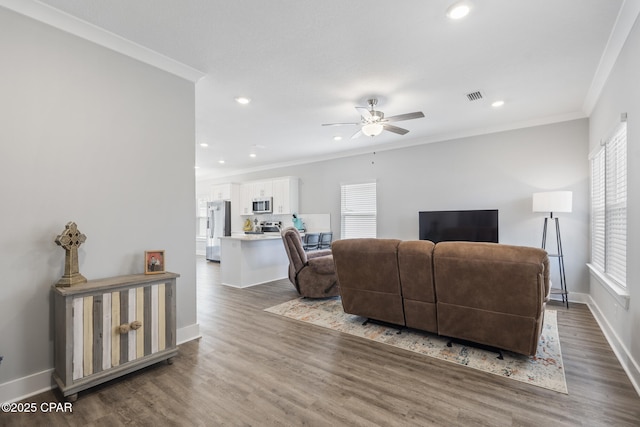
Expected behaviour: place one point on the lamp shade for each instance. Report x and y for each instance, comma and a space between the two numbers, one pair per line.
553, 201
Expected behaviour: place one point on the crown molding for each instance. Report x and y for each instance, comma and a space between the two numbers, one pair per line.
72, 25
625, 21
204, 174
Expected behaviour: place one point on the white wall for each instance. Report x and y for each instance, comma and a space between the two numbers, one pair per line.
91, 136
500, 170
620, 95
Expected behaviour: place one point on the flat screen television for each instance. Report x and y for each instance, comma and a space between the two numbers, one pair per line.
468, 226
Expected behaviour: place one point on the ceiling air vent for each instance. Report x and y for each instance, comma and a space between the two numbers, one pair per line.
474, 96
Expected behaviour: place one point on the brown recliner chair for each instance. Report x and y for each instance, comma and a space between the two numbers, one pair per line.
312, 273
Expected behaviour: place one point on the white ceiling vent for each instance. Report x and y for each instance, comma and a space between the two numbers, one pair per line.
474, 96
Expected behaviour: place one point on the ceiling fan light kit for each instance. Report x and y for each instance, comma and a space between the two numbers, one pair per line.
372, 129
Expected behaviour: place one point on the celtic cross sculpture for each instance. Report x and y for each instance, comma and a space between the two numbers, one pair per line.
70, 239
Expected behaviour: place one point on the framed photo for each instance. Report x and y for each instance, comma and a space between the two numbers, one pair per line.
153, 262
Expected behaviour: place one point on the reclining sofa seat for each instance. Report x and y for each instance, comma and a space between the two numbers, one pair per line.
369, 278
491, 294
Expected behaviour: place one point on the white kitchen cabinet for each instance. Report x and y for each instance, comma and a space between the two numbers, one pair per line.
262, 189
285, 195
283, 190
221, 191
246, 198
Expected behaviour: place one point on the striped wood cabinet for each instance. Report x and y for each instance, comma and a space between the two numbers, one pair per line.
110, 327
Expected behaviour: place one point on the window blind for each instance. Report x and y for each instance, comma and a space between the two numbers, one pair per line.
616, 205
358, 210
609, 206
597, 210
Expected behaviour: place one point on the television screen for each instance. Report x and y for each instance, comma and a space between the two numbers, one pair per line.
468, 226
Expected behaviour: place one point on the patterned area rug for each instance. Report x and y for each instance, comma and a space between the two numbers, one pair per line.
545, 369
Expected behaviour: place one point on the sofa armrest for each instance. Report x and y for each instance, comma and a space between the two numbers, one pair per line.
318, 253
322, 264
546, 282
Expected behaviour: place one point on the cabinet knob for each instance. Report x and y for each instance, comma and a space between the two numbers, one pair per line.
125, 328
135, 325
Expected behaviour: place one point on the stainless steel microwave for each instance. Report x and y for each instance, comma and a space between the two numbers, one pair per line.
263, 205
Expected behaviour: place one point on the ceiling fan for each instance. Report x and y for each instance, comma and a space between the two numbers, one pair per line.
373, 122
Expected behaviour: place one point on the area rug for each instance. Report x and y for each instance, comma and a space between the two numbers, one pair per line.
545, 369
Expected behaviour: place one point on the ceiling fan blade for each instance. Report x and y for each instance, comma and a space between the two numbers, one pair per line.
339, 124
357, 134
366, 114
395, 129
408, 116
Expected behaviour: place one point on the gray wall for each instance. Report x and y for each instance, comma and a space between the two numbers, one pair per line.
621, 95
91, 136
499, 170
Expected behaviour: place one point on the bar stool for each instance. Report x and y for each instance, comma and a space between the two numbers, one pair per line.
311, 241
325, 240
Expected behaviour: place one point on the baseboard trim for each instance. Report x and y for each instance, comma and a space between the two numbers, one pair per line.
630, 366
623, 355
22, 388
25, 387
574, 297
188, 333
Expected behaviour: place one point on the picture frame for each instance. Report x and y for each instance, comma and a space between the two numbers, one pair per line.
154, 262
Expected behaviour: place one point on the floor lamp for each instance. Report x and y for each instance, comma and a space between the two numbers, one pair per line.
555, 201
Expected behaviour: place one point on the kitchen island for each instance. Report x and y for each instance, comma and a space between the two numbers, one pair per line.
252, 259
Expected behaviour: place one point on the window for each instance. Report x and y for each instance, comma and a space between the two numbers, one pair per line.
358, 210
609, 206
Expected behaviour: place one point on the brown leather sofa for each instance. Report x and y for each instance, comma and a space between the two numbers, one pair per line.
487, 293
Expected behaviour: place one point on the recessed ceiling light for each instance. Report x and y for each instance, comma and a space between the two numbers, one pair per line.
337, 138
458, 10
243, 100
204, 144
497, 104
221, 161
253, 155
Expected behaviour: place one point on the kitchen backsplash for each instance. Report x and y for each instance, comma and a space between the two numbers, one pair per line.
313, 222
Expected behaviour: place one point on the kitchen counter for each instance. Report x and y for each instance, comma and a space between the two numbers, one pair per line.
251, 259
263, 236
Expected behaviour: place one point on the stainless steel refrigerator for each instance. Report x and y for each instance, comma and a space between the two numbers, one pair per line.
218, 224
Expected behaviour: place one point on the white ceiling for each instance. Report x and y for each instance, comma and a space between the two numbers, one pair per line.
308, 62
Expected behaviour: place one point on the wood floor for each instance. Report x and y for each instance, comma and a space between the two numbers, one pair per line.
253, 368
